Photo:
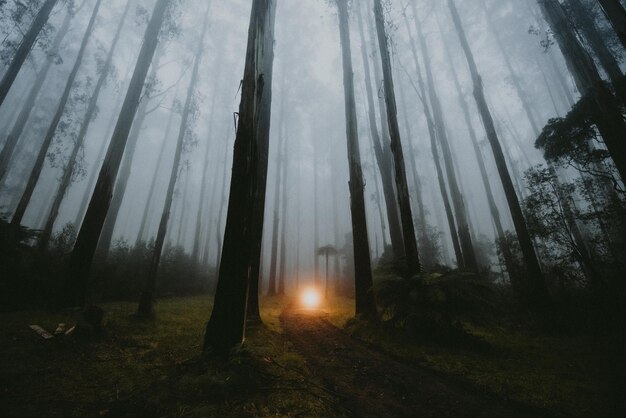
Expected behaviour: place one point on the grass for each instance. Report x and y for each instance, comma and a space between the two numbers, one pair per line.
152, 368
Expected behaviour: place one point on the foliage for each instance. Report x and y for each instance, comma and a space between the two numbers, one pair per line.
431, 307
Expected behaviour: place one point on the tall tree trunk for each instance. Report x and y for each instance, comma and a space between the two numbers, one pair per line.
365, 303
119, 191
24, 49
537, 291
586, 25
68, 170
458, 202
147, 297
43, 151
435, 151
160, 161
402, 188
226, 327
283, 230
29, 104
258, 212
616, 14
385, 169
608, 118
272, 280
76, 286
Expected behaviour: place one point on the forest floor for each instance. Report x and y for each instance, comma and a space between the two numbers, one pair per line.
299, 364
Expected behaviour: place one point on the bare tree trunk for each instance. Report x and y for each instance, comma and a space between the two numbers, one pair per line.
537, 292
43, 151
24, 49
271, 290
365, 303
68, 171
435, 151
29, 104
385, 169
76, 285
608, 118
226, 328
616, 14
147, 297
283, 234
458, 202
404, 202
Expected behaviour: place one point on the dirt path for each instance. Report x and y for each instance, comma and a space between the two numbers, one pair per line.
370, 383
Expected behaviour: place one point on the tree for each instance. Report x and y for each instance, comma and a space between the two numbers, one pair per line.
610, 121
146, 300
226, 327
365, 303
20, 123
24, 49
16, 220
537, 291
82, 256
68, 170
402, 188
616, 14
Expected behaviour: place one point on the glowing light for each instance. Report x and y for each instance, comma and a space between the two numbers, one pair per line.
310, 299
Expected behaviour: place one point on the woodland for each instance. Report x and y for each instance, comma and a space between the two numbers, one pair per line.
325, 208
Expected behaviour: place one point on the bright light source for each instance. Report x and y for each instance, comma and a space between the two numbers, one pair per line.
310, 298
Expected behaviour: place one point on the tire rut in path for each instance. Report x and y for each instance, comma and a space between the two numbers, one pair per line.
370, 383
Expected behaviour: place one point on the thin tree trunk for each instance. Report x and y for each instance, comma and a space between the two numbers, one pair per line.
385, 169
68, 171
435, 151
283, 234
147, 297
226, 327
20, 123
402, 189
537, 292
24, 49
458, 202
43, 151
365, 303
76, 286
272, 281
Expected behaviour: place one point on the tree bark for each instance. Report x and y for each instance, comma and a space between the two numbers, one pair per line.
16, 220
68, 171
402, 189
24, 49
616, 14
146, 301
365, 302
76, 286
226, 327
537, 291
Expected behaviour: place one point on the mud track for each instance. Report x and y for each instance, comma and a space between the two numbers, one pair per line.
369, 383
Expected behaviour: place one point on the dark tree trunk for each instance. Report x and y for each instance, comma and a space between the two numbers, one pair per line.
24, 49
404, 199
458, 202
68, 171
16, 220
258, 212
616, 14
609, 118
20, 123
587, 26
226, 328
283, 215
537, 292
76, 286
365, 303
382, 160
147, 297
